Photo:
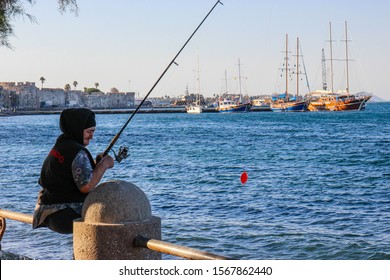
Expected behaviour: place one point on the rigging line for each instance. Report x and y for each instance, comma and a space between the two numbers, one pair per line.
304, 69
116, 137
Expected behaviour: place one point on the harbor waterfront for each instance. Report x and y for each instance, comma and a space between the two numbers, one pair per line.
318, 182
143, 110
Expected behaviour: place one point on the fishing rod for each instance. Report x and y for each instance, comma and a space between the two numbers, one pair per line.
123, 150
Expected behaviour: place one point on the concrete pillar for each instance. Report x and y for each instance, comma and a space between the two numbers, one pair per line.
113, 215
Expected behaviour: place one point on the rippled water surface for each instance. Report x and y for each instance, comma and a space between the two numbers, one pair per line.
318, 187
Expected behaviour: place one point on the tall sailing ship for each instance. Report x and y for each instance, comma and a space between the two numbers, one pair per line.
286, 102
326, 100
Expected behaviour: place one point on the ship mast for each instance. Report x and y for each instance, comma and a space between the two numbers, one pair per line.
198, 81
239, 75
286, 69
331, 57
346, 56
239, 78
297, 68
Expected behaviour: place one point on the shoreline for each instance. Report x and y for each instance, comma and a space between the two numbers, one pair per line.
154, 110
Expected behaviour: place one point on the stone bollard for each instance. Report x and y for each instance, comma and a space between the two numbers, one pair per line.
113, 215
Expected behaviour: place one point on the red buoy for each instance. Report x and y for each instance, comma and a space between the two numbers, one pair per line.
244, 177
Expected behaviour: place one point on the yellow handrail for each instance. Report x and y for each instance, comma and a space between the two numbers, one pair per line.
175, 250
25, 218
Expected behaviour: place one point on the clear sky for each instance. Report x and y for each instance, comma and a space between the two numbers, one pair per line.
128, 43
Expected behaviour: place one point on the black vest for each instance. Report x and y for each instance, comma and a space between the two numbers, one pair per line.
56, 178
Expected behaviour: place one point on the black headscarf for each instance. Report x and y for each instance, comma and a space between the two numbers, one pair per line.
73, 121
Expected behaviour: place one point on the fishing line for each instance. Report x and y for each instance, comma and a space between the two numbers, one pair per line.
116, 137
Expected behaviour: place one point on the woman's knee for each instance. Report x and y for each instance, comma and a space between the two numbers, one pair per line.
62, 221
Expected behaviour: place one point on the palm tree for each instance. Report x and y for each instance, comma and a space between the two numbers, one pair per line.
75, 83
67, 87
42, 81
96, 85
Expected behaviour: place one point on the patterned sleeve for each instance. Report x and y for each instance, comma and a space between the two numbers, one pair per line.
81, 169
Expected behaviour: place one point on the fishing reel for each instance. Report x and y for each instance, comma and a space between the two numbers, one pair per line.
122, 153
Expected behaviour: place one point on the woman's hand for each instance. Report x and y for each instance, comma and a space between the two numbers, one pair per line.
106, 163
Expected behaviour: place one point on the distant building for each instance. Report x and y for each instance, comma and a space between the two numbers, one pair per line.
18, 95
26, 96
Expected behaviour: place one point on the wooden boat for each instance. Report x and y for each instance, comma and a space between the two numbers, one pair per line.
339, 102
347, 102
318, 99
285, 102
329, 100
289, 106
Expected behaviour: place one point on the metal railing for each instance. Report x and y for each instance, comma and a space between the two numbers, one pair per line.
25, 218
139, 241
175, 250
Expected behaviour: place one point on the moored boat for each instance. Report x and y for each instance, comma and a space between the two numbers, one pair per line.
196, 108
299, 106
347, 102
290, 106
261, 104
328, 100
339, 102
281, 104
285, 102
227, 105
318, 100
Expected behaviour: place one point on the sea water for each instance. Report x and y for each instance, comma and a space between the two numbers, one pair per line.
318, 182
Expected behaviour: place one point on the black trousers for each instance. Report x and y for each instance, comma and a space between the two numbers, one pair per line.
62, 221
